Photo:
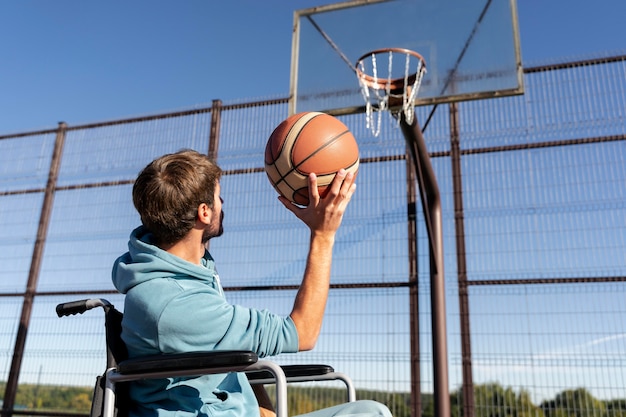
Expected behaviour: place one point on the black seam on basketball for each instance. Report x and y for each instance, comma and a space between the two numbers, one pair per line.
282, 147
286, 174
282, 177
324, 146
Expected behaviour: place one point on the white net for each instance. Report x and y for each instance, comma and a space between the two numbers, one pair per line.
393, 88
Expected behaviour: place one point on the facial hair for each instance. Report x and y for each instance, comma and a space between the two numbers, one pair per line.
209, 233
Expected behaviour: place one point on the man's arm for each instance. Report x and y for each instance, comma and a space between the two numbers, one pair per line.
323, 217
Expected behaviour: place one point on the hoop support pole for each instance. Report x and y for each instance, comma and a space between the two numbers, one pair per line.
431, 205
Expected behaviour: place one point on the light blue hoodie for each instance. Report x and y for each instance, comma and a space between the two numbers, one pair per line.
172, 305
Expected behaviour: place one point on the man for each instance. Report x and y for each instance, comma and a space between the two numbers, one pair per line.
175, 303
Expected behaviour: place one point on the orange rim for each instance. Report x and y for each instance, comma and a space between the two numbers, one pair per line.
396, 85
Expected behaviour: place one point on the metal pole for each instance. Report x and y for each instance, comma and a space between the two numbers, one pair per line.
214, 135
33, 275
416, 386
459, 225
431, 204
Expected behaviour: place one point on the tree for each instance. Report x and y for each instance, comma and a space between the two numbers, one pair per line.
616, 408
493, 400
574, 403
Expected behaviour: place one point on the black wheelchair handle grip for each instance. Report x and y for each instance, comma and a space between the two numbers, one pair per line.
80, 306
72, 308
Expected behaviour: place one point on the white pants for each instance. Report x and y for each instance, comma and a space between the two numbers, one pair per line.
361, 408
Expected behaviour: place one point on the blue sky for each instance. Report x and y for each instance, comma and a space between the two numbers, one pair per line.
82, 62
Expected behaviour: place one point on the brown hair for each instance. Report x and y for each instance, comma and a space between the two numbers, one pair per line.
169, 190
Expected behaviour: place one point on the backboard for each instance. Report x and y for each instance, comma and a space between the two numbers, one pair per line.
471, 49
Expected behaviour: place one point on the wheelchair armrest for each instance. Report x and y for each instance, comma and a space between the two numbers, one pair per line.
187, 362
292, 371
198, 363
304, 373
190, 364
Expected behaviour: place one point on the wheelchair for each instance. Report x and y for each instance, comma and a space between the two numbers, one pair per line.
110, 397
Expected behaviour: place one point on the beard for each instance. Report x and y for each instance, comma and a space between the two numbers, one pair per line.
211, 231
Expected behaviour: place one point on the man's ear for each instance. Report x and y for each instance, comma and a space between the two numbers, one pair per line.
205, 213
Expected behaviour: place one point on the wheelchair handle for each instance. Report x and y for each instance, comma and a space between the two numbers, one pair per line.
80, 306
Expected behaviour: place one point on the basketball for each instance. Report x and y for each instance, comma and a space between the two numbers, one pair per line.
304, 143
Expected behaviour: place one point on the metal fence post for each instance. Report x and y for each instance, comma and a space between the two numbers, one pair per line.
33, 274
214, 135
416, 378
459, 227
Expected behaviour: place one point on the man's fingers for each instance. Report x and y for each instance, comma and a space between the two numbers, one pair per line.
343, 186
314, 193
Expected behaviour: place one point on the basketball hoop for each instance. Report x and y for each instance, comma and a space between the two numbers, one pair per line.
393, 90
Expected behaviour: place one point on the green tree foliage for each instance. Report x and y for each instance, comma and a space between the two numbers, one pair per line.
574, 403
52, 397
491, 400
616, 408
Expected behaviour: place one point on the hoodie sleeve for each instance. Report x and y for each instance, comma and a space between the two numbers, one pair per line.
203, 320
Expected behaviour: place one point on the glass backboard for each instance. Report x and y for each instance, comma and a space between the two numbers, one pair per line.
471, 49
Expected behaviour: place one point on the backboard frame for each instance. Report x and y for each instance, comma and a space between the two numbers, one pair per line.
420, 100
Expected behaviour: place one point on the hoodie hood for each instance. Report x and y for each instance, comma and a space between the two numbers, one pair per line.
144, 261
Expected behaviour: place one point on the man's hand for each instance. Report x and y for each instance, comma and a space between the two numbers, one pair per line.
265, 405
324, 215
266, 413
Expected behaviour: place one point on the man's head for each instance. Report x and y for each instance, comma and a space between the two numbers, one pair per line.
169, 191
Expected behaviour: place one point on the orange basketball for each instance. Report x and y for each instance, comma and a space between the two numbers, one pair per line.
304, 143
